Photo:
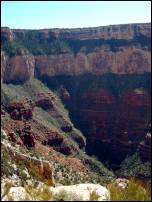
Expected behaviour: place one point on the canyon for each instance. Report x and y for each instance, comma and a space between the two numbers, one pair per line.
102, 75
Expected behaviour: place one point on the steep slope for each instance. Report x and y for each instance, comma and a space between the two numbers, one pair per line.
46, 134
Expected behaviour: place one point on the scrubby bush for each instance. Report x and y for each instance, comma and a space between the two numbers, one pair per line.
42, 193
133, 192
133, 166
94, 196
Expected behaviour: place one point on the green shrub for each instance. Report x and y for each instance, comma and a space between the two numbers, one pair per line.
40, 194
133, 166
6, 189
94, 196
6, 164
133, 192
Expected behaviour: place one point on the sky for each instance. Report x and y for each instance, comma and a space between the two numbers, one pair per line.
72, 14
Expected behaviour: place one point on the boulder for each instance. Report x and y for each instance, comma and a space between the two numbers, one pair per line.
80, 192
44, 101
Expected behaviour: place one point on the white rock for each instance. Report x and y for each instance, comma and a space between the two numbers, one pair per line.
16, 194
81, 192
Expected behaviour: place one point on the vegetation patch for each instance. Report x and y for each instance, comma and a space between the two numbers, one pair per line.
133, 192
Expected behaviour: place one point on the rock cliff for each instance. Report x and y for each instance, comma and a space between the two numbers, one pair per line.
121, 49
126, 31
102, 75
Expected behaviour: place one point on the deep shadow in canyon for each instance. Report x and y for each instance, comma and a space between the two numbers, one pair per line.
112, 111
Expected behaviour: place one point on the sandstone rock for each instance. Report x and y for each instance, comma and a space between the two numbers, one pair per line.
44, 101
53, 138
126, 31
100, 60
19, 69
81, 192
19, 111
128, 61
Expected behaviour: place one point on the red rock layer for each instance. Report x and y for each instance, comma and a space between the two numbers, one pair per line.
121, 124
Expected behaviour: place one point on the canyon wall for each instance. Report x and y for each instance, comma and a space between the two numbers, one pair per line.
120, 49
105, 72
126, 31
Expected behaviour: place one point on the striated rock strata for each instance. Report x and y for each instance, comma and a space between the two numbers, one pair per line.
121, 49
103, 77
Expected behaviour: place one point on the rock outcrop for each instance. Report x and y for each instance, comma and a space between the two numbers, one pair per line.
44, 101
121, 49
20, 111
19, 69
27, 136
129, 60
127, 31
